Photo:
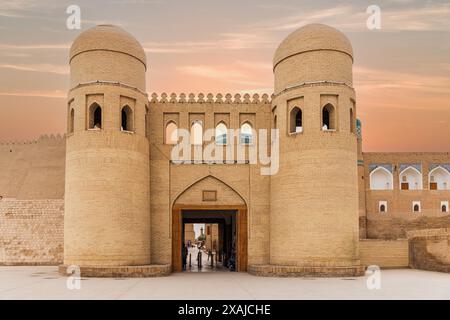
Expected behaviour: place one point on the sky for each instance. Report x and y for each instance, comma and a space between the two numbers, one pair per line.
401, 71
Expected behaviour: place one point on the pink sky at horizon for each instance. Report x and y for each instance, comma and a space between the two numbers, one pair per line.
401, 72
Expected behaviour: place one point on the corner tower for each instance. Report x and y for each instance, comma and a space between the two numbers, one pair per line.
314, 196
107, 192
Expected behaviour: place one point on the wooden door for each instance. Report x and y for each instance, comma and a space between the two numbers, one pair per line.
242, 240
177, 233
405, 186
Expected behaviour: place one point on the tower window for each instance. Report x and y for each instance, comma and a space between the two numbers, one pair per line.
71, 120
197, 132
171, 134
95, 117
246, 134
352, 121
126, 119
221, 134
328, 117
296, 120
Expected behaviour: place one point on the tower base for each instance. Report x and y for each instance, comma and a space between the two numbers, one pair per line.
154, 270
269, 270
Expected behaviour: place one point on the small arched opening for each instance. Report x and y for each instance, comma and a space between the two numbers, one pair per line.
71, 121
352, 121
95, 116
127, 119
221, 133
328, 117
197, 132
246, 134
296, 120
171, 133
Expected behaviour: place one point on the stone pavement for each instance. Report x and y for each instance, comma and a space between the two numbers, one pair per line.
45, 283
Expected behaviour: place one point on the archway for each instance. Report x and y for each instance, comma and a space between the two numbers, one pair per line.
205, 201
410, 179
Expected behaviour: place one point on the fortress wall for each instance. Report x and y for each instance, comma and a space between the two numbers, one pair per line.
430, 249
399, 219
31, 232
33, 170
31, 201
384, 253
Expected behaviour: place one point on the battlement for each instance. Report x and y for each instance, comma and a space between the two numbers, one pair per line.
210, 98
45, 138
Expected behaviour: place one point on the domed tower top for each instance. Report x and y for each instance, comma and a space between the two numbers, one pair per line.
314, 52
107, 53
108, 37
312, 37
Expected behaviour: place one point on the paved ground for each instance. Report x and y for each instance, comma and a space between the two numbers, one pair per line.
45, 283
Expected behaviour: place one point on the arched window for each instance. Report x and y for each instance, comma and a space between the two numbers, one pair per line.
171, 134
126, 119
381, 179
95, 116
352, 121
246, 134
411, 179
197, 132
71, 120
382, 208
221, 134
328, 117
296, 120
444, 208
439, 178
416, 208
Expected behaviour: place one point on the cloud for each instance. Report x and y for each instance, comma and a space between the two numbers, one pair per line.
46, 94
43, 67
402, 90
224, 73
423, 17
223, 41
37, 46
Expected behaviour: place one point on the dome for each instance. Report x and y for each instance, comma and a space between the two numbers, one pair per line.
110, 38
312, 37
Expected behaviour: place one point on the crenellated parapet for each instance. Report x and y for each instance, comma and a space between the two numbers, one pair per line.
42, 139
210, 98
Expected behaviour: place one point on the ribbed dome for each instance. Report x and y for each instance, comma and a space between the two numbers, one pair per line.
312, 37
108, 37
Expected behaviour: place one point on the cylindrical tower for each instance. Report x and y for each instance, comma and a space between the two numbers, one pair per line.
107, 191
314, 195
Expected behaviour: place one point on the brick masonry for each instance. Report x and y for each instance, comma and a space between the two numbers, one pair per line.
430, 249
31, 232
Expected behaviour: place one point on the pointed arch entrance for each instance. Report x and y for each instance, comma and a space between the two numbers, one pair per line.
204, 200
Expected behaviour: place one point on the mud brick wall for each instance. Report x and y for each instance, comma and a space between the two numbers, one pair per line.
430, 249
384, 253
31, 232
